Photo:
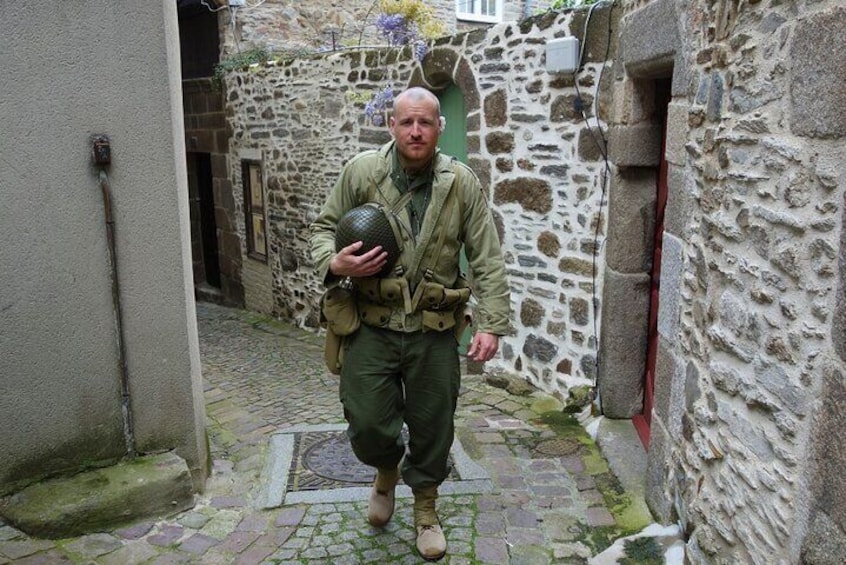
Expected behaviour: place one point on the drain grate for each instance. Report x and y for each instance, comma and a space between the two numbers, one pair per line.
324, 460
557, 447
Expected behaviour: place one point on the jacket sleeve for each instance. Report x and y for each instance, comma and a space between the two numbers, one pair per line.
484, 255
341, 199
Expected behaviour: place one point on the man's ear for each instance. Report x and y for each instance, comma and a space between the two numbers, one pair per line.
441, 124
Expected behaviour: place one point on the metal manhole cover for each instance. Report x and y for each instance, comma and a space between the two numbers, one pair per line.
325, 460
332, 458
558, 447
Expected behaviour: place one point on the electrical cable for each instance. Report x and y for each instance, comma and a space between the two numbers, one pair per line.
603, 149
210, 9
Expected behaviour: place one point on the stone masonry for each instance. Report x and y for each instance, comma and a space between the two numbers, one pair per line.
751, 357
305, 27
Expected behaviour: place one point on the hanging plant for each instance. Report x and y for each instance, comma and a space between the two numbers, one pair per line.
403, 23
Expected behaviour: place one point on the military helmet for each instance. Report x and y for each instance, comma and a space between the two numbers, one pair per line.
370, 224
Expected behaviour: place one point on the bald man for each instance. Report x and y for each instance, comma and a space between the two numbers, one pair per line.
401, 365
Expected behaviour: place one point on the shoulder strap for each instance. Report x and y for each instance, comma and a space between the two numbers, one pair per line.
428, 273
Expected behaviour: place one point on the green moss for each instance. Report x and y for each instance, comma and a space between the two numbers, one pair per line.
595, 464
598, 538
630, 518
562, 423
642, 551
546, 404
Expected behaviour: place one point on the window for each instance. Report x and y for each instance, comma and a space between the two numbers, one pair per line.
479, 10
254, 209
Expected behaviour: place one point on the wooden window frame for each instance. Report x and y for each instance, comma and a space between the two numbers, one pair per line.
254, 209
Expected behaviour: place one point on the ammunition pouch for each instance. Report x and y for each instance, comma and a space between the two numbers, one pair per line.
339, 315
441, 308
374, 314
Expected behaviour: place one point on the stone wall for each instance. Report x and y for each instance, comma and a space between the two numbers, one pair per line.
533, 152
280, 25
293, 25
750, 363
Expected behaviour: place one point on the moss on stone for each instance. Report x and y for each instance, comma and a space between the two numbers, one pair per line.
546, 404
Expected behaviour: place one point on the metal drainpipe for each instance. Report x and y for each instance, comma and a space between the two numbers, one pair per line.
102, 157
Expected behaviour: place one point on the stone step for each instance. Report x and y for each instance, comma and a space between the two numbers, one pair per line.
100, 499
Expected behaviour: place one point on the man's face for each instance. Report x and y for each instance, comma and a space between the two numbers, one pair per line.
416, 128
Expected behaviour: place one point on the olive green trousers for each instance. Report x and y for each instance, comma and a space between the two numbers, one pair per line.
391, 377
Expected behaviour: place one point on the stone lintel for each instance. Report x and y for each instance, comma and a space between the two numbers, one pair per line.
650, 40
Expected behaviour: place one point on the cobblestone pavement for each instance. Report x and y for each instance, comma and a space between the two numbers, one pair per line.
549, 502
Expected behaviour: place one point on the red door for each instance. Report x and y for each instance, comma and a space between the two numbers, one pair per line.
642, 422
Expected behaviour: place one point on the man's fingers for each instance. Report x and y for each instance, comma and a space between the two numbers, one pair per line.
351, 248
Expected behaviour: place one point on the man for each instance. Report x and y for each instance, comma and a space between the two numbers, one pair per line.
402, 364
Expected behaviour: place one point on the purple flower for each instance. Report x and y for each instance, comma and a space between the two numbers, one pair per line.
420, 50
396, 29
375, 108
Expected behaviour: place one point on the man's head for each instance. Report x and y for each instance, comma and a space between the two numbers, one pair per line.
416, 124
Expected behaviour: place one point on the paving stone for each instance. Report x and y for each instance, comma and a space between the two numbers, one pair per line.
172, 559
236, 542
130, 554
193, 520
167, 535
255, 554
17, 549
599, 516
491, 550
9, 533
51, 557
198, 544
93, 545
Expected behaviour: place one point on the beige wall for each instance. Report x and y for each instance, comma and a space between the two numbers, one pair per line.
73, 69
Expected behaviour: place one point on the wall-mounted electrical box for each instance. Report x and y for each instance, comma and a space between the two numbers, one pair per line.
562, 55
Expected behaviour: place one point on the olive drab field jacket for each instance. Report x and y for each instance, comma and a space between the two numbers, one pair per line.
426, 291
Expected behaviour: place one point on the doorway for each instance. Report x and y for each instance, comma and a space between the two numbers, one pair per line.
453, 142
643, 421
204, 226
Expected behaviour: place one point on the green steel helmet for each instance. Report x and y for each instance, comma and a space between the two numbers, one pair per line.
370, 224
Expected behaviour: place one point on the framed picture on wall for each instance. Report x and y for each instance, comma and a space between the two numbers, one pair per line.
254, 209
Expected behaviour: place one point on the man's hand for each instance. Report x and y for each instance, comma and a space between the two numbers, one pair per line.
484, 347
347, 264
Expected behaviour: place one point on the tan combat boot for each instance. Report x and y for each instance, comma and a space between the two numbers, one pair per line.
380, 507
431, 542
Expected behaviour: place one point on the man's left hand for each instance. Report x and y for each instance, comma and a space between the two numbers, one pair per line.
483, 347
